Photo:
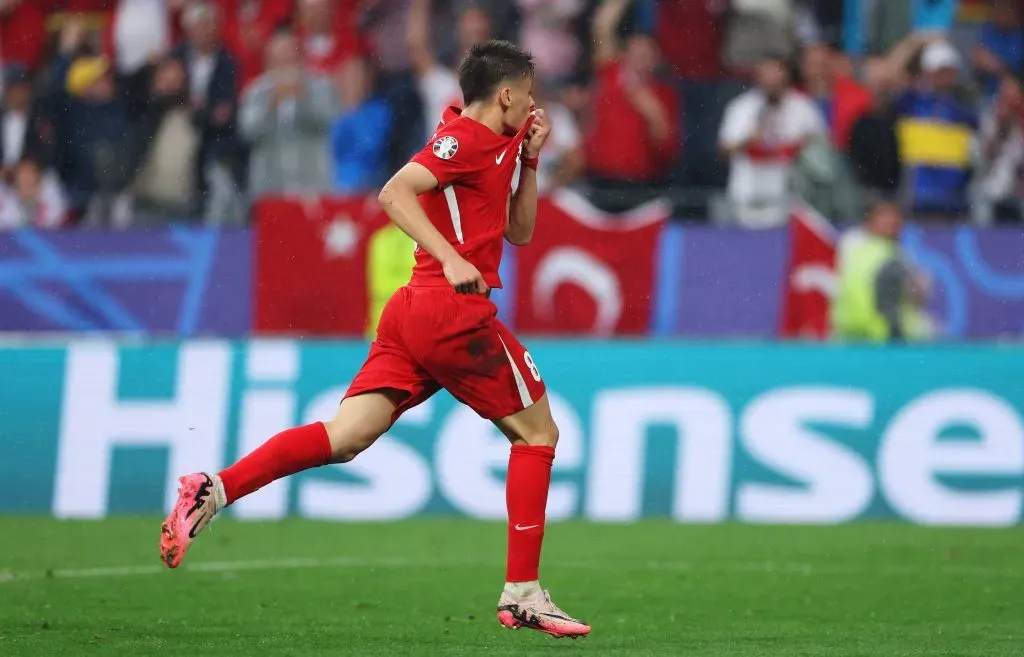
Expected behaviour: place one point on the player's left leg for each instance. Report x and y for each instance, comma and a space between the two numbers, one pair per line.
533, 434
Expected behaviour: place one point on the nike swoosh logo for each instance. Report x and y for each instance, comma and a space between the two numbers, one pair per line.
501, 157
195, 528
524, 528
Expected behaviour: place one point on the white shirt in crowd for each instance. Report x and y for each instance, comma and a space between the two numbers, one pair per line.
998, 178
758, 187
15, 128
140, 30
439, 88
48, 213
199, 74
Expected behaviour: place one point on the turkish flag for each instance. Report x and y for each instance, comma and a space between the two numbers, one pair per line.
810, 276
311, 264
586, 271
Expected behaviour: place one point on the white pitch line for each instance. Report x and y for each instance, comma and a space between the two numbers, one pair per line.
694, 567
103, 572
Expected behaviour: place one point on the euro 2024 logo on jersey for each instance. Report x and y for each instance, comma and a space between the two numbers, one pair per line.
446, 147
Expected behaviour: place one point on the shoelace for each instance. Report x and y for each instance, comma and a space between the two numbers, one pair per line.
554, 607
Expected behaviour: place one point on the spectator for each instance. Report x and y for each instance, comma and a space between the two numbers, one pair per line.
22, 32
829, 16
880, 295
439, 84
690, 36
212, 79
327, 33
547, 32
1001, 157
889, 22
563, 161
763, 132
385, 26
1001, 47
141, 34
86, 6
634, 134
248, 26
839, 97
359, 135
165, 184
96, 164
504, 19
390, 257
758, 28
936, 132
25, 133
34, 199
285, 115
873, 149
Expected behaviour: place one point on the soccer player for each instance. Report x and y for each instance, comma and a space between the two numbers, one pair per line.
454, 198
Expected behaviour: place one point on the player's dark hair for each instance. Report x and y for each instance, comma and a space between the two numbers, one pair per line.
488, 64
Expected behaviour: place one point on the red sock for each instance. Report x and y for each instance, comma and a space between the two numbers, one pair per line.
526, 495
290, 451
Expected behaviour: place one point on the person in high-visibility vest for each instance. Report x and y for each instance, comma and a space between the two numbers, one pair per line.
880, 293
389, 263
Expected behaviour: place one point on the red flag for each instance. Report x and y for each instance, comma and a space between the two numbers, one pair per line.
311, 265
810, 276
588, 272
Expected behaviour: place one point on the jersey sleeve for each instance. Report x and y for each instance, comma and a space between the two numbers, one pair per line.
449, 155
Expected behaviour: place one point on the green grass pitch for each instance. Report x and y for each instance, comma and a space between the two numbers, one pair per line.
429, 587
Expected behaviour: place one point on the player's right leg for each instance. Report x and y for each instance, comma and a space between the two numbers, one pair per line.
360, 420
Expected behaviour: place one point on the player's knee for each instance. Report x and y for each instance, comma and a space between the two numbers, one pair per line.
546, 436
345, 443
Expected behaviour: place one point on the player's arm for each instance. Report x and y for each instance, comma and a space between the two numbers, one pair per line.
522, 211
399, 200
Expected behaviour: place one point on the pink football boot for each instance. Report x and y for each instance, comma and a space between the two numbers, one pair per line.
200, 497
538, 612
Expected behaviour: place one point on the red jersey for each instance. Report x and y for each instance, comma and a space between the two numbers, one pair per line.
620, 145
474, 169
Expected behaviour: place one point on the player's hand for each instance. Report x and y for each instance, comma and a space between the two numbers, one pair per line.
464, 277
537, 134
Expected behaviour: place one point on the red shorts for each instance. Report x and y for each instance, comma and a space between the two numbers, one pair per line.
430, 338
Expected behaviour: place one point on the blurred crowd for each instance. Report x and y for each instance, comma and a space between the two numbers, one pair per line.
120, 112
